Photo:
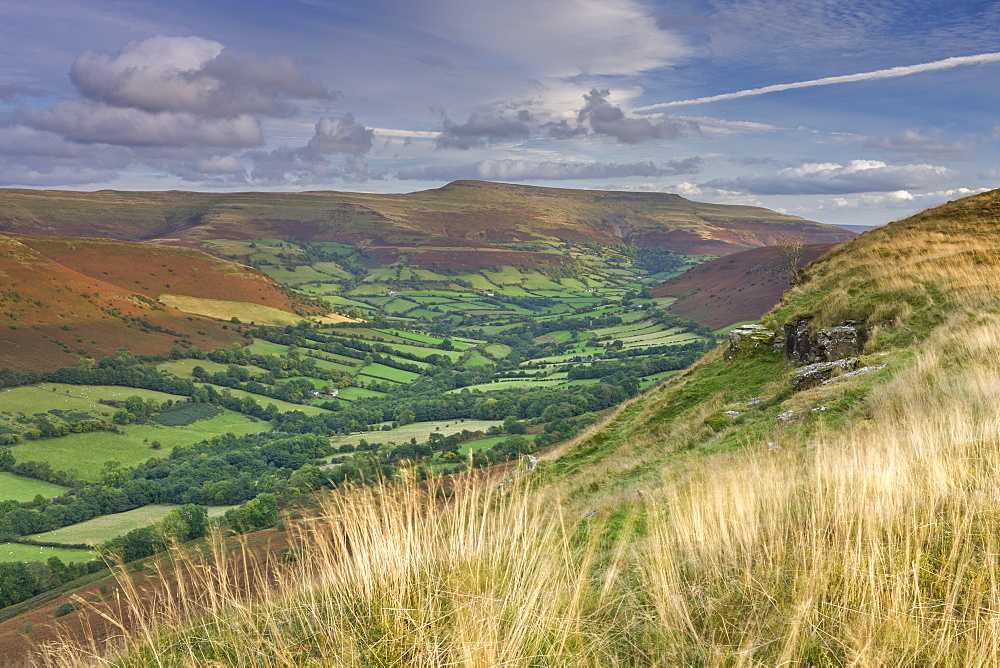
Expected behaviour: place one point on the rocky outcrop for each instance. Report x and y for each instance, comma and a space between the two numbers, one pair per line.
820, 372
749, 340
823, 345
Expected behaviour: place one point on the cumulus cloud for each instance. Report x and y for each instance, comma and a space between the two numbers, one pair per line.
857, 176
482, 129
912, 141
193, 75
607, 119
186, 106
898, 198
525, 170
311, 163
341, 135
92, 122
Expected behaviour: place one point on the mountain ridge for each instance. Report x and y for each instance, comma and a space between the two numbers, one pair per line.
462, 216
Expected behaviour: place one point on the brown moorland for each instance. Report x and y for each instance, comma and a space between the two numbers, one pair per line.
56, 310
462, 214
155, 270
733, 288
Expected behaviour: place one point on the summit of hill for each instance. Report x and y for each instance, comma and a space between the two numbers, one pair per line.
495, 223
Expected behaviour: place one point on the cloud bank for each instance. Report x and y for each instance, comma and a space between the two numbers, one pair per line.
857, 176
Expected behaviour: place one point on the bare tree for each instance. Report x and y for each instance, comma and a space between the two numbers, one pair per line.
790, 247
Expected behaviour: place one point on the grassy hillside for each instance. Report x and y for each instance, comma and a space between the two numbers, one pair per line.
721, 518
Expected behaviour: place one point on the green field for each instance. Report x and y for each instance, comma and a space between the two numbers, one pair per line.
476, 358
262, 347
417, 430
389, 373
509, 384
20, 488
32, 399
87, 452
355, 393
183, 368
106, 527
420, 351
19, 552
283, 406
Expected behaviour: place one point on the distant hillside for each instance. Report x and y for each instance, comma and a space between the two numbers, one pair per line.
738, 287
464, 225
67, 299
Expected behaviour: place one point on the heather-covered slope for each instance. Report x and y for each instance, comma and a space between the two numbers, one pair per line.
461, 223
734, 288
67, 299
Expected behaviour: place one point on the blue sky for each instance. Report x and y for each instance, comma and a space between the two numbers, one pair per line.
393, 96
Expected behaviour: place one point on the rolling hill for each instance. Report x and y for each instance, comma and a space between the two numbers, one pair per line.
67, 299
463, 225
726, 516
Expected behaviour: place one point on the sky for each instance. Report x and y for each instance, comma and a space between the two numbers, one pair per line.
840, 111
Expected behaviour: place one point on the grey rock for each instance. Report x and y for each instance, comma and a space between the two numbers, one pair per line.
820, 372
749, 340
824, 345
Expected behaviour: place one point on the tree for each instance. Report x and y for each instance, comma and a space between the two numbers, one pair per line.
6, 459
790, 249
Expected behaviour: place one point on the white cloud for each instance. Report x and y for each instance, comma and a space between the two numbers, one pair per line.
896, 199
91, 122
192, 74
857, 176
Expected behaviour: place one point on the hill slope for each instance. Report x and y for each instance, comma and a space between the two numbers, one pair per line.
66, 299
463, 224
734, 288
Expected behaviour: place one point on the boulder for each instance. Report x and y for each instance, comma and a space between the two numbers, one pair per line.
820, 372
823, 345
749, 340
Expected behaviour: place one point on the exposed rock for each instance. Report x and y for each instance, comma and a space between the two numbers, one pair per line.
856, 372
749, 340
756, 400
787, 416
732, 414
820, 372
797, 341
823, 345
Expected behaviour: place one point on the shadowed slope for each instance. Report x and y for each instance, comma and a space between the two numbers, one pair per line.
738, 287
